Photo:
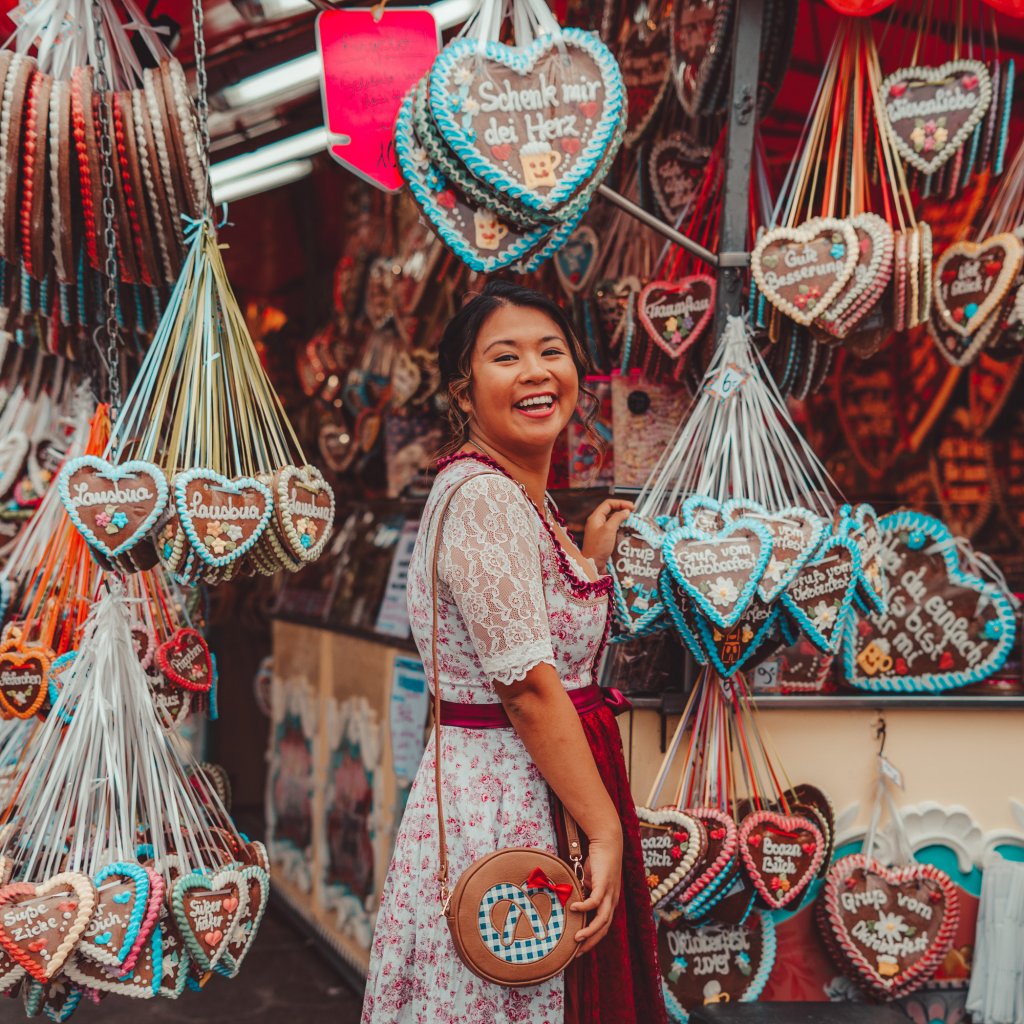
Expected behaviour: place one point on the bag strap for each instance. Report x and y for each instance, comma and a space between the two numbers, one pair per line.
571, 831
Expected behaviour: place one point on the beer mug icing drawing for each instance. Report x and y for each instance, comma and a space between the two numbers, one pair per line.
539, 162
489, 230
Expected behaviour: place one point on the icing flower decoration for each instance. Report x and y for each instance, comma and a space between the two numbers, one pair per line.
723, 591
216, 544
929, 135
672, 324
628, 582
892, 926
103, 518
471, 106
119, 520
215, 529
824, 615
993, 629
234, 532
776, 567
652, 881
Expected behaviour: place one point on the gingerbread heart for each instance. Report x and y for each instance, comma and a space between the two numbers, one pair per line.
821, 594
782, 854
970, 281
720, 572
959, 467
681, 613
714, 873
673, 845
304, 510
969, 621
40, 925
872, 581
185, 660
645, 60
143, 981
211, 780
676, 313
556, 106
24, 680
242, 935
577, 260
990, 384
701, 30
173, 702
676, 170
866, 403
730, 650
802, 271
222, 518
931, 111
714, 963
206, 909
112, 506
889, 928
635, 567
176, 962
612, 298
118, 927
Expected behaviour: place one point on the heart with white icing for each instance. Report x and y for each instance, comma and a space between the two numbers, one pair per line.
801, 271
122, 897
673, 844
675, 314
243, 934
782, 854
304, 510
676, 170
645, 60
577, 260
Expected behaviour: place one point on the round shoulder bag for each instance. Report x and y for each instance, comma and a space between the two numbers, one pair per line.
510, 912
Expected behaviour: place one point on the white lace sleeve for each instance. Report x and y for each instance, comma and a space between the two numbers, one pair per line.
490, 561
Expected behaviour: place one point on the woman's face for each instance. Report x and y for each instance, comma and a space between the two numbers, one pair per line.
524, 385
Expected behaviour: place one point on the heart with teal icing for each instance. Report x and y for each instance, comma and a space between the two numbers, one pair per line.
680, 611
112, 506
731, 650
222, 518
820, 596
241, 939
861, 524
719, 571
796, 535
56, 1001
635, 566
477, 235
535, 123
206, 908
576, 261
699, 512
112, 936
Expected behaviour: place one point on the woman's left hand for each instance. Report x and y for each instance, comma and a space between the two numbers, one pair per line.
602, 526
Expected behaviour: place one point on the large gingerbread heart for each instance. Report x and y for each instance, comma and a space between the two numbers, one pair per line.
40, 925
676, 169
141, 982
720, 572
971, 280
714, 963
635, 567
645, 60
24, 680
534, 124
676, 313
701, 30
889, 928
206, 909
222, 518
967, 622
802, 271
730, 650
673, 844
866, 404
931, 111
185, 660
821, 594
112, 506
782, 854
304, 510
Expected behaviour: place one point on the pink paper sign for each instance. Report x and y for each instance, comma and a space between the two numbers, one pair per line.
369, 64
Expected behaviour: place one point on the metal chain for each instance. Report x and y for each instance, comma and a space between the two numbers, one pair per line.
112, 338
202, 105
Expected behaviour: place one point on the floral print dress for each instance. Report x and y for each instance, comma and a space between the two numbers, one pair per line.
509, 598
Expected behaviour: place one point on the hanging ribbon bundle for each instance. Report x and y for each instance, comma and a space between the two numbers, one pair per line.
82, 99
120, 876
736, 541
503, 146
711, 856
203, 471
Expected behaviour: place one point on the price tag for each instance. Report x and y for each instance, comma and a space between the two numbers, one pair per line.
765, 677
370, 61
890, 771
727, 382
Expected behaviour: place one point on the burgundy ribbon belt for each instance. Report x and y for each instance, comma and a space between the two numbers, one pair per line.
493, 716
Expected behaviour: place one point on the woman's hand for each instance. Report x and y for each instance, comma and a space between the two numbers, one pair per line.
603, 878
602, 526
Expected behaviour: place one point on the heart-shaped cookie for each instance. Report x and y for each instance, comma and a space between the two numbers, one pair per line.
112, 938
635, 567
889, 928
222, 518
931, 111
814, 803
699, 512
821, 594
701, 30
24, 680
926, 382
176, 962
242, 935
645, 60
710, 884
304, 510
872, 581
612, 297
552, 109
206, 909
185, 660
802, 271
676, 313
731, 650
141, 982
112, 506
971, 280
676, 170
782, 854
866, 403
681, 613
720, 572
40, 925
968, 622
673, 844
173, 702
959, 467
714, 963
577, 260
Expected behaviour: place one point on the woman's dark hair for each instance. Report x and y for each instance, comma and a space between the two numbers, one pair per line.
459, 339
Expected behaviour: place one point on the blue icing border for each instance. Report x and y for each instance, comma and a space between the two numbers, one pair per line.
653, 620
595, 152
678, 620
935, 530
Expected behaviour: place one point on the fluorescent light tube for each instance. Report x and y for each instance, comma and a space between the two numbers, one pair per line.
295, 147
262, 181
281, 82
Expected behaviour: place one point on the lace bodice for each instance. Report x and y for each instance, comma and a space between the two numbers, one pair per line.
509, 598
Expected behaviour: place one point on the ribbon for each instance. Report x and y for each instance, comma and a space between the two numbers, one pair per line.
539, 880
616, 701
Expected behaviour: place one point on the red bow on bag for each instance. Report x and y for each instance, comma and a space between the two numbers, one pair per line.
539, 880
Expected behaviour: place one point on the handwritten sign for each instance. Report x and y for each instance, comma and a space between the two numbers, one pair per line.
369, 64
